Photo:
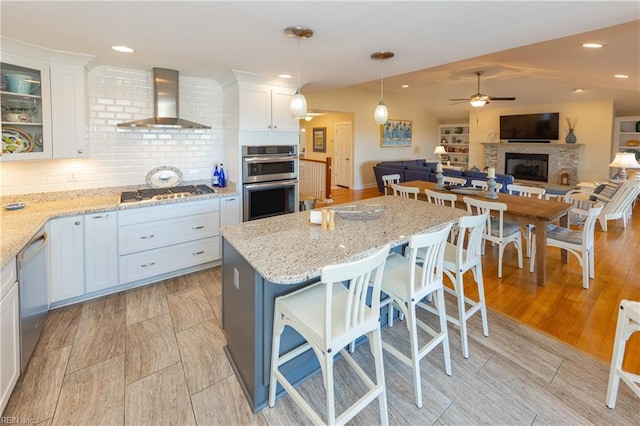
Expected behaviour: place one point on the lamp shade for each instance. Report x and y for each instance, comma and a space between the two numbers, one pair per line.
625, 160
298, 105
381, 115
439, 150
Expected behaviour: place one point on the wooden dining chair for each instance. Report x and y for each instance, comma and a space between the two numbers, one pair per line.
482, 184
450, 180
497, 230
579, 243
441, 198
405, 191
527, 191
387, 180
330, 315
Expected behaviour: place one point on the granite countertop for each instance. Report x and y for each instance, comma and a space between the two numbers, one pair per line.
17, 227
289, 249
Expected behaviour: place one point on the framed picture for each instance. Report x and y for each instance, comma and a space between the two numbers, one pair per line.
319, 139
396, 133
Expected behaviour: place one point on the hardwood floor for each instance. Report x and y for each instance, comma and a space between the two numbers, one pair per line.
585, 319
154, 355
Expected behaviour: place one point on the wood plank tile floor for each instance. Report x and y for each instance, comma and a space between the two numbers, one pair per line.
154, 355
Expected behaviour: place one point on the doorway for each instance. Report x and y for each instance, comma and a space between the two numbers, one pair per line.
343, 153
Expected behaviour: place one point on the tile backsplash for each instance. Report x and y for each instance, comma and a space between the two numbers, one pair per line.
121, 158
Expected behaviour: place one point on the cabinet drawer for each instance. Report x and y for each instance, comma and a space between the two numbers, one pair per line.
151, 235
167, 211
8, 276
149, 263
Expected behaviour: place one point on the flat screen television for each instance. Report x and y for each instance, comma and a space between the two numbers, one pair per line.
530, 127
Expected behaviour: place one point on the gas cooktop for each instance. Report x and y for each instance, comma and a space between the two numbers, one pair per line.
152, 194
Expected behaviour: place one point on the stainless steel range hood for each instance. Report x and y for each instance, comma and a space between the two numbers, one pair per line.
165, 105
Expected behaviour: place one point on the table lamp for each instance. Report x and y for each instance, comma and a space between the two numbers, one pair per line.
625, 160
439, 150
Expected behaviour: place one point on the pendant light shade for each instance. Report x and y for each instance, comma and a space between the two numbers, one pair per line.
381, 114
298, 104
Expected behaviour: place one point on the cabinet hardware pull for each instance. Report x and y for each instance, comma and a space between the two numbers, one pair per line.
100, 216
144, 237
78, 222
148, 264
198, 227
197, 253
80, 151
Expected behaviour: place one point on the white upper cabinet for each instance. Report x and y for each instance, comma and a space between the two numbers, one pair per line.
266, 108
43, 99
26, 108
68, 111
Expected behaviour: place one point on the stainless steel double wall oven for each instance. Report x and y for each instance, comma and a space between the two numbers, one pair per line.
269, 180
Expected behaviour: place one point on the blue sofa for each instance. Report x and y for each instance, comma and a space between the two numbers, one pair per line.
423, 170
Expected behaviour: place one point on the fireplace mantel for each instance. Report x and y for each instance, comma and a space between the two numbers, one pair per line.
563, 157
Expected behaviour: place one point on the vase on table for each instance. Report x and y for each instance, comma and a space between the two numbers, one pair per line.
571, 137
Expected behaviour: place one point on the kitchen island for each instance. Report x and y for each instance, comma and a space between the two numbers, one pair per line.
265, 258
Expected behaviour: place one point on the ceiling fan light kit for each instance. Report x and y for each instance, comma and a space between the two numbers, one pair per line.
298, 103
480, 99
381, 114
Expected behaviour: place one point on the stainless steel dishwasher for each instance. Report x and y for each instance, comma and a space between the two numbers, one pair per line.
33, 292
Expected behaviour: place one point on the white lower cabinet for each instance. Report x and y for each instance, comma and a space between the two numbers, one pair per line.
148, 263
100, 251
9, 332
230, 211
83, 253
66, 257
160, 239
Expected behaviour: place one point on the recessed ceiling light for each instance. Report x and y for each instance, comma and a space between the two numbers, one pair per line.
123, 49
404, 86
285, 76
621, 76
592, 45
578, 90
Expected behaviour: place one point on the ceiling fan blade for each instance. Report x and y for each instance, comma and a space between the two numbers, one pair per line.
501, 99
458, 101
461, 99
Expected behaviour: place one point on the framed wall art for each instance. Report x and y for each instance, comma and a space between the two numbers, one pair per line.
396, 133
319, 139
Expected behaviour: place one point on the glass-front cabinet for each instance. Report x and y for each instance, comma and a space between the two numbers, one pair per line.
26, 108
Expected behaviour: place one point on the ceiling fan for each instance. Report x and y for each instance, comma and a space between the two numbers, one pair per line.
480, 99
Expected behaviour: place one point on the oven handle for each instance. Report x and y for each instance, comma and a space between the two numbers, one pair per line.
268, 159
272, 184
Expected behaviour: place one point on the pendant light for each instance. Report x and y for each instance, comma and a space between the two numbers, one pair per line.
298, 104
381, 114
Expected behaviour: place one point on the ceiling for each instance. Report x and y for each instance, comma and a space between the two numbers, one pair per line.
530, 50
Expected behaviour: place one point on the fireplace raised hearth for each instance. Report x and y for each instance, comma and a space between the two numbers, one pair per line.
527, 166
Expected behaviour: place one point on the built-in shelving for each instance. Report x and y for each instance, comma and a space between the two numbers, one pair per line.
455, 139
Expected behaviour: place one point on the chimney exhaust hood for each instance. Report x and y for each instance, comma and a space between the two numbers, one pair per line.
165, 105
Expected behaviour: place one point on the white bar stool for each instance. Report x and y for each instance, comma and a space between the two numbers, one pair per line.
407, 283
329, 316
628, 323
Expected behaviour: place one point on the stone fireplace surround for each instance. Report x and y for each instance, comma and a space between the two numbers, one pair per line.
563, 157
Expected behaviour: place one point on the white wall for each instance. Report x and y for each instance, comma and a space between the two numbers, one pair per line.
118, 158
367, 150
594, 129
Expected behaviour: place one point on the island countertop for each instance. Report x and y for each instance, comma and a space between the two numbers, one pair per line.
288, 249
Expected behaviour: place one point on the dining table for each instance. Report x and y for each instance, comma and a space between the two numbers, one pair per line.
524, 210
